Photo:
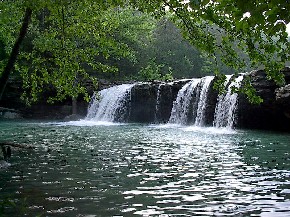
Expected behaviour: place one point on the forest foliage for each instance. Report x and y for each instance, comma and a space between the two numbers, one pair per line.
69, 42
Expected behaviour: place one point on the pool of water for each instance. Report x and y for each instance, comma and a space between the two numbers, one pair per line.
103, 169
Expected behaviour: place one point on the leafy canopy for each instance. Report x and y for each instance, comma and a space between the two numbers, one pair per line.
244, 34
68, 35
69, 39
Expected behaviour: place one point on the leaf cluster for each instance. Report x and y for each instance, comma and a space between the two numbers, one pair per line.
71, 39
153, 72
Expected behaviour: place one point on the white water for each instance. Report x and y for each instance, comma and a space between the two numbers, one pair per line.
200, 113
157, 106
226, 106
189, 107
184, 103
181, 106
110, 103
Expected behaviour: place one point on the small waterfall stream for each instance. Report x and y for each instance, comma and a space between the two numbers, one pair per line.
110, 104
157, 106
182, 104
200, 113
190, 104
226, 106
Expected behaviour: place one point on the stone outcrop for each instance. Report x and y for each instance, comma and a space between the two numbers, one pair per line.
144, 101
283, 100
272, 113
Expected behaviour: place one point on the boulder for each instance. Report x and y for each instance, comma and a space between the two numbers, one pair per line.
283, 99
147, 106
270, 113
283, 95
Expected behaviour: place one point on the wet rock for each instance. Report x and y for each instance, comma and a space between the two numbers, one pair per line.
143, 106
211, 104
283, 95
283, 99
272, 112
143, 100
6, 152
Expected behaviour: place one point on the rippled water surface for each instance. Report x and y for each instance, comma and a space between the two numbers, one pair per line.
101, 169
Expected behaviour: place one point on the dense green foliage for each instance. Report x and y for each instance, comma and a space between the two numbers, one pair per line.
243, 34
70, 40
10, 18
173, 53
65, 50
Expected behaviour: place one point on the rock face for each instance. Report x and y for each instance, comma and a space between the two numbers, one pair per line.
210, 105
272, 114
283, 100
40, 110
152, 102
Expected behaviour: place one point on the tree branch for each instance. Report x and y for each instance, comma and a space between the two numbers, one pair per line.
15, 51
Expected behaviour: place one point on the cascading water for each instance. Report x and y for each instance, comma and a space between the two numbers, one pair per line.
201, 107
191, 105
110, 104
157, 106
226, 106
182, 105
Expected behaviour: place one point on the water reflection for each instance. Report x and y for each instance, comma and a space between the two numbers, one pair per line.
146, 170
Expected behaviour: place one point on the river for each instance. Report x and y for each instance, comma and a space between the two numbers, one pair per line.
90, 169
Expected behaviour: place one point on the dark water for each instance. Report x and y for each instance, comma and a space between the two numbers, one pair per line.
82, 169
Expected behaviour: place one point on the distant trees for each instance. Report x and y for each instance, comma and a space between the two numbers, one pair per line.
164, 55
69, 40
242, 34
175, 54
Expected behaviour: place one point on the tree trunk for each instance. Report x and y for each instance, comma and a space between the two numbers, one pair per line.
15, 51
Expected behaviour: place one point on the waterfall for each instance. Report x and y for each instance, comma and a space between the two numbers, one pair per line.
226, 106
183, 104
110, 104
202, 100
157, 106
190, 102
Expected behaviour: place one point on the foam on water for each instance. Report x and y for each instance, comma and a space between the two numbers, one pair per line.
4, 164
84, 123
210, 130
197, 129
